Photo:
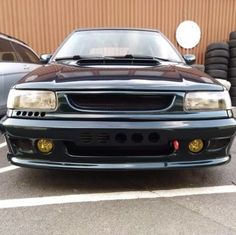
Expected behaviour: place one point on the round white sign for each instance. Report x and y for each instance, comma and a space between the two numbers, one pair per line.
188, 34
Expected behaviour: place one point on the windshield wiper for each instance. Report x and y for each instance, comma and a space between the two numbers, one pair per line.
127, 56
140, 57
132, 56
147, 57
79, 57
168, 60
75, 57
125, 59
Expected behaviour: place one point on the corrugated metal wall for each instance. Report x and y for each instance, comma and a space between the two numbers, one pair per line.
43, 24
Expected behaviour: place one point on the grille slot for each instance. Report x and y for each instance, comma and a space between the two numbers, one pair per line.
86, 138
103, 138
120, 102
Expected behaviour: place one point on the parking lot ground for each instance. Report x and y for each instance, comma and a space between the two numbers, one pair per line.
212, 213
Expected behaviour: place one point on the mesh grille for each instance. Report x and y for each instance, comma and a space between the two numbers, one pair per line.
120, 102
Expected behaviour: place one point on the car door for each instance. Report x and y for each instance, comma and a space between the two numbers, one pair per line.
16, 62
8, 71
28, 59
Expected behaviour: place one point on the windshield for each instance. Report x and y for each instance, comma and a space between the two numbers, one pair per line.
103, 43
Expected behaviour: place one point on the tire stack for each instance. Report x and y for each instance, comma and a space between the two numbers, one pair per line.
217, 60
232, 66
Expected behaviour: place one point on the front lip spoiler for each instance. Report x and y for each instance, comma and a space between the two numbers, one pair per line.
118, 166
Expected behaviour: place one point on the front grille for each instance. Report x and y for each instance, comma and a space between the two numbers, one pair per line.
120, 102
119, 143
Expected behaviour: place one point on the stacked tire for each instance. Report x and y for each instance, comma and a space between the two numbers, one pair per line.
217, 60
232, 66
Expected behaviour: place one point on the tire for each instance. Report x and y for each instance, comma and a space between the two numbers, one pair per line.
232, 43
233, 99
232, 72
232, 91
217, 67
232, 35
220, 78
232, 62
217, 73
232, 52
216, 60
217, 53
232, 80
218, 45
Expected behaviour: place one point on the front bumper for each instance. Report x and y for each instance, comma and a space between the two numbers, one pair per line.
117, 166
222, 131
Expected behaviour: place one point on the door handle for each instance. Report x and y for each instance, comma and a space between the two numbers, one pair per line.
26, 67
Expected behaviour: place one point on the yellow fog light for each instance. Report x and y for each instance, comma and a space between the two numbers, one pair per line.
45, 145
195, 146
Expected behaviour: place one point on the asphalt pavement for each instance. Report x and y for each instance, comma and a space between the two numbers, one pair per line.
204, 213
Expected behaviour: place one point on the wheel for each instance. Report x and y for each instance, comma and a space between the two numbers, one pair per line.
216, 60
232, 35
217, 67
217, 53
217, 73
232, 43
232, 52
218, 45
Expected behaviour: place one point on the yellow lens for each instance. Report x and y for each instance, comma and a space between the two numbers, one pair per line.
45, 145
195, 146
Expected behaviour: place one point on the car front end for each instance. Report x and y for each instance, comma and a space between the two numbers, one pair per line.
125, 114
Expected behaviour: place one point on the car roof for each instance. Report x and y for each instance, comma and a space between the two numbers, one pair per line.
16, 40
6, 36
131, 29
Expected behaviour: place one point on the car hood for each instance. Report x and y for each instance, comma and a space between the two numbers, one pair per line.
165, 76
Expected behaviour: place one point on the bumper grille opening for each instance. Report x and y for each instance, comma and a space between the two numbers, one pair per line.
216, 144
22, 145
120, 102
77, 150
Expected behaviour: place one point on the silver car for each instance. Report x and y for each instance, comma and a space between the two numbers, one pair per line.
16, 60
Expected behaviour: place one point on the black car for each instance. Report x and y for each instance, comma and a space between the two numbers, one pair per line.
118, 99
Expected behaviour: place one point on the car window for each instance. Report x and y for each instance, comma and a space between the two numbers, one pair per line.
118, 43
7, 52
25, 55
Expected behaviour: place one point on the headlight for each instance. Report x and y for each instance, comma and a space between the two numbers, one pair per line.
207, 101
31, 99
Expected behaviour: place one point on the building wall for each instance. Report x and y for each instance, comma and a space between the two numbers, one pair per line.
43, 24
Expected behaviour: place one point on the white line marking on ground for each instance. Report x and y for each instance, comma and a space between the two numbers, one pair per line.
8, 168
96, 197
3, 145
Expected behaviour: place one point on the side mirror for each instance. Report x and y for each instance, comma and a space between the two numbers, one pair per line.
45, 58
189, 59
